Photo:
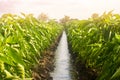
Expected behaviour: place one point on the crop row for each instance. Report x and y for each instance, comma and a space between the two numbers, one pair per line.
22, 41
96, 42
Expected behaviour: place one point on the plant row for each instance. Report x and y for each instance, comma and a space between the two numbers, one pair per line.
22, 41
96, 42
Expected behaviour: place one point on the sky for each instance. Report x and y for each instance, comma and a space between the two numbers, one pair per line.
56, 9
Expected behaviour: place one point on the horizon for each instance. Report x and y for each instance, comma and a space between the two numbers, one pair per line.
57, 9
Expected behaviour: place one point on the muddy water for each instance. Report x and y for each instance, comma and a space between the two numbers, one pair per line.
62, 61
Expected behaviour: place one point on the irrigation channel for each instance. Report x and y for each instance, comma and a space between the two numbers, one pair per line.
62, 70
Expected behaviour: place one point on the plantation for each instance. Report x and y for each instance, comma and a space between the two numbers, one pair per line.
22, 41
96, 43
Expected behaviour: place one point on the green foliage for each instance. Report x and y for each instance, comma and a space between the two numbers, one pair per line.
22, 40
97, 43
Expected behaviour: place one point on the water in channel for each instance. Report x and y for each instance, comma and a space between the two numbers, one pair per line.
62, 61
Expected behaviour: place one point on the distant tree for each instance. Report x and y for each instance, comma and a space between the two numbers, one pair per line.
43, 17
64, 20
95, 16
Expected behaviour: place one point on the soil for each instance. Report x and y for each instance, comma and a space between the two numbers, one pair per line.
42, 70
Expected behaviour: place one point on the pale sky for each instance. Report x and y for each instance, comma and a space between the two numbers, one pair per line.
81, 9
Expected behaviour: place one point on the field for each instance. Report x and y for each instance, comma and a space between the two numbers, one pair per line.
94, 44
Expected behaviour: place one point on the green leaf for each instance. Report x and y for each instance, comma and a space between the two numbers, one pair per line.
14, 53
6, 59
116, 74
